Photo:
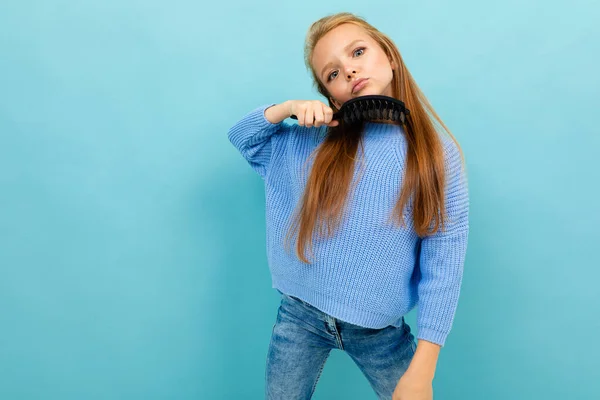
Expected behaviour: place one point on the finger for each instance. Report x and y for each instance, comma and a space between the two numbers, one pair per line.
319, 117
309, 118
329, 117
301, 116
327, 114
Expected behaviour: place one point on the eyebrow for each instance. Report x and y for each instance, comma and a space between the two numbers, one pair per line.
345, 49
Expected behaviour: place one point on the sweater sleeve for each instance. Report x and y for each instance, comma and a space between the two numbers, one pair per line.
252, 135
442, 256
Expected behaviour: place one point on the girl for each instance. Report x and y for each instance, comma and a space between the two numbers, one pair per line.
398, 236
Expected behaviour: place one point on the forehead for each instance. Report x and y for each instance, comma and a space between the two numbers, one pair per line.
335, 40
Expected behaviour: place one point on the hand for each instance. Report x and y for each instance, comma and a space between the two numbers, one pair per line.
409, 388
312, 113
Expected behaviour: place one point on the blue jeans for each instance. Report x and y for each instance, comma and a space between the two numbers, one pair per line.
303, 337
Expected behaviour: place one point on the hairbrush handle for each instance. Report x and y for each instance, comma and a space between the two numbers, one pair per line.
336, 115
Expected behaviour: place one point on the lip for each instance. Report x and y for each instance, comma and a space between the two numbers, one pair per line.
359, 84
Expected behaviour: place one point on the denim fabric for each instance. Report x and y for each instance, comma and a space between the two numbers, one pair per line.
303, 337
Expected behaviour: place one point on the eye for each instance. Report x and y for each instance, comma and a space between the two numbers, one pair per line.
355, 51
359, 49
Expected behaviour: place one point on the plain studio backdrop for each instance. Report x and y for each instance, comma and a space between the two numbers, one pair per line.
132, 233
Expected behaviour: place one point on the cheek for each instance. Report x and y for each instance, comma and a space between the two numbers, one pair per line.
337, 89
385, 71
388, 73
381, 63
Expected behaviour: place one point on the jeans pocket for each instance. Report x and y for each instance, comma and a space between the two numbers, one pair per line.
410, 338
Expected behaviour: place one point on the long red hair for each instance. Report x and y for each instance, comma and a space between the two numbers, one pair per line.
328, 184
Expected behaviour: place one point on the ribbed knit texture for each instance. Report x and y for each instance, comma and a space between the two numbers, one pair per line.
371, 272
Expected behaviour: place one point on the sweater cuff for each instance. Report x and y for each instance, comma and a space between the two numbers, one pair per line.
431, 335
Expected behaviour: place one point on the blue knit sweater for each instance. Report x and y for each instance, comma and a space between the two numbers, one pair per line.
370, 273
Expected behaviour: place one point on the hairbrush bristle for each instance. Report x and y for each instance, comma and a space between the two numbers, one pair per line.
373, 107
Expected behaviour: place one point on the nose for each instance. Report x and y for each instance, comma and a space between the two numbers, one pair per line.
349, 74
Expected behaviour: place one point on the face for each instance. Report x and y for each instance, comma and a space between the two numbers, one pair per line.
347, 54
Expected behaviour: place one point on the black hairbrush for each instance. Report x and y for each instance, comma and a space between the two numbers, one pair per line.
371, 107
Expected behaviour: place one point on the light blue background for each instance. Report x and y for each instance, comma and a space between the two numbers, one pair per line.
132, 235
